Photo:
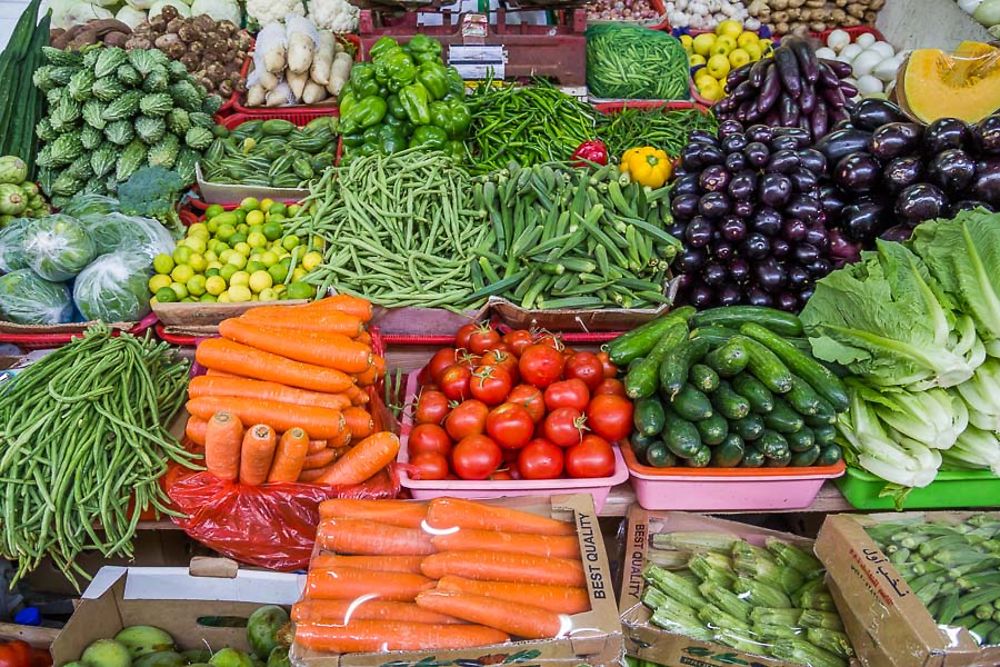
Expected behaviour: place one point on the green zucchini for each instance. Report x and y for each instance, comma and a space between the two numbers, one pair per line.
801, 440
806, 457
783, 418
648, 416
659, 456
728, 403
703, 378
692, 404
714, 429
640, 341
681, 436
729, 358
825, 434
750, 427
767, 367
803, 397
677, 363
778, 321
760, 397
829, 456
773, 445
641, 380
752, 457
729, 453
700, 459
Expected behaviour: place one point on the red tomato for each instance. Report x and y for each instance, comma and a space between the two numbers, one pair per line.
530, 398
564, 427
490, 384
593, 457
610, 370
540, 365
428, 438
432, 407
540, 459
501, 476
484, 338
517, 340
475, 457
467, 419
429, 465
550, 340
455, 382
567, 394
464, 333
610, 386
503, 359
510, 426
467, 359
585, 366
610, 417
442, 359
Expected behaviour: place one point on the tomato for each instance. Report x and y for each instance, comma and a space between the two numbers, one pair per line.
464, 333
467, 359
540, 459
610, 386
585, 366
540, 365
530, 398
610, 370
429, 465
550, 340
501, 476
15, 653
483, 339
475, 457
428, 438
432, 407
517, 340
469, 418
567, 394
510, 426
503, 359
442, 359
610, 417
455, 382
490, 384
564, 427
593, 457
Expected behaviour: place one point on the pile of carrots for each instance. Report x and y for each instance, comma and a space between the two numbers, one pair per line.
297, 376
403, 575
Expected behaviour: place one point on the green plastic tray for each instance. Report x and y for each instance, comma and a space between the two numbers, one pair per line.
972, 488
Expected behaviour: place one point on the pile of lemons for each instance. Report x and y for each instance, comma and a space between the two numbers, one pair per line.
714, 54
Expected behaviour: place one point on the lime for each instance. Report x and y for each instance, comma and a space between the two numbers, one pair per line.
163, 263
289, 242
207, 298
260, 281
213, 211
278, 208
158, 282
218, 247
228, 270
212, 225
273, 231
188, 299
298, 274
239, 293
181, 254
311, 260
166, 295
198, 229
269, 258
256, 240
255, 218
222, 298
215, 285
278, 271
226, 254
196, 286
197, 262
210, 256
293, 210
240, 214
242, 248
253, 266
300, 290
224, 232
279, 288
237, 260
179, 290
275, 217
182, 273
211, 271
317, 243
239, 278
249, 204
243, 228
238, 237
196, 243
268, 295
214, 265
266, 203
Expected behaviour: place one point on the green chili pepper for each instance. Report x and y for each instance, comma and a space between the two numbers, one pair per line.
416, 102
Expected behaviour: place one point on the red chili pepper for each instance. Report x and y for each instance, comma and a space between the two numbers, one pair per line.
590, 151
15, 654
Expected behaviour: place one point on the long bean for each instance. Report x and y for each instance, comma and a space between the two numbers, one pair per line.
629, 61
668, 131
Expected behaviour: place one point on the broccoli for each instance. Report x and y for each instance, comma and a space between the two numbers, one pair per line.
153, 192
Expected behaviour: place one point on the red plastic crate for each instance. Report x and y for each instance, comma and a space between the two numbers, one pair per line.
853, 32
42, 341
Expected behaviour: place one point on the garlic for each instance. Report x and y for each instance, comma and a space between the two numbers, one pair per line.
826, 53
865, 62
884, 49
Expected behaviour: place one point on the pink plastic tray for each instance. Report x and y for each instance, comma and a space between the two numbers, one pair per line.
599, 487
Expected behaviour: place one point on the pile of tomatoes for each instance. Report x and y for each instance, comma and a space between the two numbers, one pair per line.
520, 405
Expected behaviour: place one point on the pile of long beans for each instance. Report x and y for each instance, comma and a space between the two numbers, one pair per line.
83, 444
629, 61
668, 131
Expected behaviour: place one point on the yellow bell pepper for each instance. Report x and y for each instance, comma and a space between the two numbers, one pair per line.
647, 166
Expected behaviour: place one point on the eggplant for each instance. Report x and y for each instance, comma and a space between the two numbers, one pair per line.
807, 100
798, 277
841, 142
756, 246
703, 137
758, 297
945, 133
805, 208
767, 221
757, 154
734, 141
784, 143
700, 296
770, 275
676, 229
769, 90
897, 233
806, 58
848, 90
698, 232
987, 184
714, 274
857, 172
794, 229
841, 249
804, 180
812, 160
818, 235
743, 110
691, 260
871, 114
806, 294
952, 169
713, 205
780, 248
987, 135
901, 172
789, 110
839, 68
743, 208
739, 270
827, 77
774, 190
761, 133
800, 135
819, 120
895, 140
861, 220
831, 199
806, 253
729, 295
819, 267
733, 228
684, 207
967, 205
919, 202
743, 91
728, 128
736, 162
723, 251
783, 162
788, 69
742, 186
738, 76
686, 185
787, 301
758, 72
714, 178
725, 105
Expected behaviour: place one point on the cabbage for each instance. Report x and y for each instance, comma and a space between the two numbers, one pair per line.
220, 10
12, 255
58, 247
27, 299
115, 232
114, 288
90, 204
130, 16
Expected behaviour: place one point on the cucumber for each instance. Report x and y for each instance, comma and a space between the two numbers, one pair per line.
641, 380
760, 397
714, 335
648, 416
781, 461
677, 363
728, 403
640, 443
640, 341
767, 367
659, 456
783, 418
803, 397
752, 457
729, 358
703, 378
806, 457
632, 364
822, 418
829, 456
773, 445
778, 321
692, 404
750, 427
825, 434
700, 458
714, 429
818, 376
681, 436
801, 440
729, 453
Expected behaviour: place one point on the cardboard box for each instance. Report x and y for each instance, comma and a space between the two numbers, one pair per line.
595, 638
174, 599
888, 625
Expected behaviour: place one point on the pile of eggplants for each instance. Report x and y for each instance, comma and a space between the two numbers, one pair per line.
790, 88
749, 208
890, 174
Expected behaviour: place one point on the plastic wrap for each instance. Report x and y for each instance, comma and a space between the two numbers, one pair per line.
12, 255
113, 288
58, 247
271, 47
26, 298
83, 204
113, 232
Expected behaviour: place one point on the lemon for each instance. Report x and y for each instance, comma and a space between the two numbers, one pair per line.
224, 232
214, 265
218, 247
686, 42
266, 204
738, 57
311, 260
249, 204
210, 256
703, 43
215, 285
696, 60
729, 28
237, 260
239, 293
223, 298
268, 294
710, 90
702, 73
163, 263
228, 270
243, 248
198, 229
226, 254
181, 254
317, 243
260, 281
253, 266
196, 286
256, 240
279, 289
718, 67
746, 37
212, 225
207, 298
255, 218
153, 301
722, 46
239, 278
158, 282
165, 295
268, 258
198, 262
196, 244
279, 272
213, 211
765, 46
182, 273
753, 50
289, 242
298, 274
179, 290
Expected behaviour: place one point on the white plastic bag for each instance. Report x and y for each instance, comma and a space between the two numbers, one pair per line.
114, 288
58, 247
26, 298
116, 232
270, 50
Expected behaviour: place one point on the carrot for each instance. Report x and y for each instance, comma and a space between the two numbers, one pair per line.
342, 440
257, 453
359, 422
348, 583
406, 513
320, 459
375, 563
367, 377
364, 337
357, 395
346, 303
500, 566
515, 618
223, 441
363, 460
369, 636
370, 538
289, 317
195, 430
310, 476
291, 454
315, 446
225, 355
317, 422
560, 599
340, 612
212, 385
447, 513
212, 373
558, 546
323, 349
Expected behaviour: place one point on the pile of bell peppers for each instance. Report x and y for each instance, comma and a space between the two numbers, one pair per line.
404, 97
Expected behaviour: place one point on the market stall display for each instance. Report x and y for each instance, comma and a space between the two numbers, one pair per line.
713, 54
874, 62
799, 16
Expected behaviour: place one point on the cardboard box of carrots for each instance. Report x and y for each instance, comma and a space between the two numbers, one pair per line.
454, 581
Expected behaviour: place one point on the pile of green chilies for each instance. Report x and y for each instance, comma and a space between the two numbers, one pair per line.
83, 444
669, 131
626, 61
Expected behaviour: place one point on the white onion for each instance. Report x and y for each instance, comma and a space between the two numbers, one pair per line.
865, 40
849, 53
865, 62
883, 48
869, 84
838, 39
826, 53
886, 70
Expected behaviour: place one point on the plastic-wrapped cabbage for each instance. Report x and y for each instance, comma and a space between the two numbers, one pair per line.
25, 298
114, 288
88, 203
114, 232
12, 255
58, 247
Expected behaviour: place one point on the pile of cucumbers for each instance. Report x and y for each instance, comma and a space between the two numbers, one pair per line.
728, 387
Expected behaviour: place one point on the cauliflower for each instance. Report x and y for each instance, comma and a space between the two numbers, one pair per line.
130, 16
334, 15
271, 11
220, 10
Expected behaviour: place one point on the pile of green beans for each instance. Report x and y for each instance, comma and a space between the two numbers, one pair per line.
83, 443
626, 61
401, 230
668, 131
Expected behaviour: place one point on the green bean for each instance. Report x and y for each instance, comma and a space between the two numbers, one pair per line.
629, 61
665, 130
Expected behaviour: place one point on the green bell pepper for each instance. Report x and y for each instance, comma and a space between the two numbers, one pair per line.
371, 134
363, 83
364, 114
347, 100
456, 149
456, 86
381, 46
424, 49
416, 102
451, 116
434, 78
428, 136
353, 140
391, 138
402, 71
396, 109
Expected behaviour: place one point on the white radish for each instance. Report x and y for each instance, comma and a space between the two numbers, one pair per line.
268, 80
274, 59
319, 70
339, 73
300, 52
313, 93
256, 95
297, 83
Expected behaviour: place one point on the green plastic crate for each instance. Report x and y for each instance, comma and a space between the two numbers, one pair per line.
959, 488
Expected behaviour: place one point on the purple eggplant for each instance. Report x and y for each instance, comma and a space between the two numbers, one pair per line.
697, 156
819, 236
738, 76
757, 154
839, 68
676, 229
861, 220
919, 202
789, 110
743, 208
691, 260
819, 267
723, 251
686, 185
761, 133
714, 178
684, 207
784, 143
967, 205
758, 72
743, 110
798, 277
806, 58
743, 91
952, 169
770, 275
734, 141
987, 134
724, 106
780, 248
783, 162
897, 233
945, 133
733, 228
729, 295
794, 229
807, 100
871, 114
713, 205
987, 184
769, 90
700, 296
703, 137
812, 160
767, 221
819, 119
742, 186
902, 172
895, 140
841, 142
714, 274
857, 172
736, 162
774, 190
758, 297
728, 128
756, 246
788, 69
801, 136
827, 76
841, 248
805, 208
848, 90
804, 180
739, 270
698, 232
831, 199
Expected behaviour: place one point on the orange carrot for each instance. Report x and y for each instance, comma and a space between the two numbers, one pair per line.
447, 513
363, 460
257, 453
223, 441
405, 513
212, 373
291, 317
357, 395
212, 385
368, 636
367, 377
345, 303
558, 546
560, 599
515, 618
340, 612
341, 440
317, 422
323, 349
195, 430
225, 355
348, 583
315, 446
499, 566
364, 337
289, 457
310, 476
376, 563
320, 459
370, 538
359, 422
